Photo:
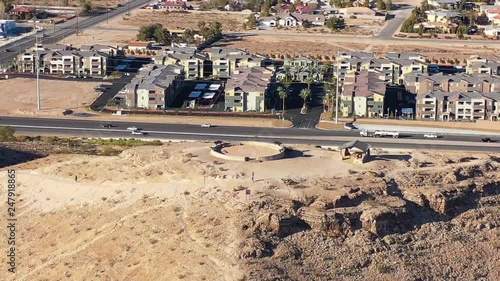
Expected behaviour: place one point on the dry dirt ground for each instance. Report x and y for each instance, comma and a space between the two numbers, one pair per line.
123, 29
173, 212
18, 96
71, 3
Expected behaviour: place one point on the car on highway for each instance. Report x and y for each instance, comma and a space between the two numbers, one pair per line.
206, 125
485, 140
431, 136
107, 125
137, 132
133, 128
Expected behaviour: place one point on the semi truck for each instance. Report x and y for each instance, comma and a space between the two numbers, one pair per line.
379, 134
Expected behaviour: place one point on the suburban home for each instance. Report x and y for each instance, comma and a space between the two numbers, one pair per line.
492, 31
265, 22
247, 89
154, 87
448, 106
443, 16
443, 3
172, 6
492, 13
22, 12
139, 46
362, 13
440, 27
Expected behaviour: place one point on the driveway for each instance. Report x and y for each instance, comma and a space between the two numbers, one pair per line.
294, 104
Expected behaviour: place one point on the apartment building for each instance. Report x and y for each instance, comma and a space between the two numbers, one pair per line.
448, 106
154, 87
248, 88
362, 95
65, 62
406, 56
483, 65
300, 69
225, 61
461, 82
366, 94
196, 64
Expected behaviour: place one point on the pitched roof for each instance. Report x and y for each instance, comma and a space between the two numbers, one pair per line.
363, 146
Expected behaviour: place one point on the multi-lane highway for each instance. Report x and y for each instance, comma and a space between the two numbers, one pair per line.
66, 29
93, 128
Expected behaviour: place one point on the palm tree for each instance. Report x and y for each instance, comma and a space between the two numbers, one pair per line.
283, 93
309, 81
305, 94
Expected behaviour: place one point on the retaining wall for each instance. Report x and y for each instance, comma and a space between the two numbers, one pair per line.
280, 152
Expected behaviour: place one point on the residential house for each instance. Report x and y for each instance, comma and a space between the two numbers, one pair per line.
173, 6
443, 3
139, 46
362, 13
294, 19
485, 8
248, 89
440, 27
492, 13
155, 87
444, 16
22, 12
492, 31
448, 106
266, 22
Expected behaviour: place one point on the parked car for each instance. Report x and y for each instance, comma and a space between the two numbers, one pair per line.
206, 125
107, 125
485, 140
67, 112
430, 136
133, 128
137, 132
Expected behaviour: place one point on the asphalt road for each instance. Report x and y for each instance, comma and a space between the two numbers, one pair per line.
66, 29
92, 128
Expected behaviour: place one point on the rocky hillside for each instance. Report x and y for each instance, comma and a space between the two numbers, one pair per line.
430, 221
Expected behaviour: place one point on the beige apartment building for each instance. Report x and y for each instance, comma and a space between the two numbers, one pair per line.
423, 83
449, 106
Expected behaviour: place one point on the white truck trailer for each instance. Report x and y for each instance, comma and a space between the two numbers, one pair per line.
379, 134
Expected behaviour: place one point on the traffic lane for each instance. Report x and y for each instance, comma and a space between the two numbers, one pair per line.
184, 128
166, 136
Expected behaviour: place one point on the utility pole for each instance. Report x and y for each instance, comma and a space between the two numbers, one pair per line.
337, 89
37, 69
76, 25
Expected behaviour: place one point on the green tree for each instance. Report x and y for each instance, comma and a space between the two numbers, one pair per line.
64, 3
306, 24
188, 36
388, 5
325, 70
381, 5
7, 134
251, 21
366, 3
309, 81
292, 8
335, 23
283, 93
216, 29
86, 6
305, 94
162, 35
337, 3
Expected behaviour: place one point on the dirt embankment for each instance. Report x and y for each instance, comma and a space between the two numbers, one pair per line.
173, 212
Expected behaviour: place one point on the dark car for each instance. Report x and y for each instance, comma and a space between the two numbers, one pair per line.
107, 126
485, 140
67, 112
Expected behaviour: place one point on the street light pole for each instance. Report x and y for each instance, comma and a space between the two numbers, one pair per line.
337, 89
37, 69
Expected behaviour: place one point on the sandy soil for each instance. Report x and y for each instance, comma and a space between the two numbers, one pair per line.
123, 29
173, 212
71, 3
18, 96
248, 151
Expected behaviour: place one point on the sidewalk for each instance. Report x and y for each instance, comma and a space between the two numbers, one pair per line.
424, 130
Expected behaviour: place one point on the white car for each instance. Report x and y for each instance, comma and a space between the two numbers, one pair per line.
206, 125
133, 128
137, 133
430, 136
